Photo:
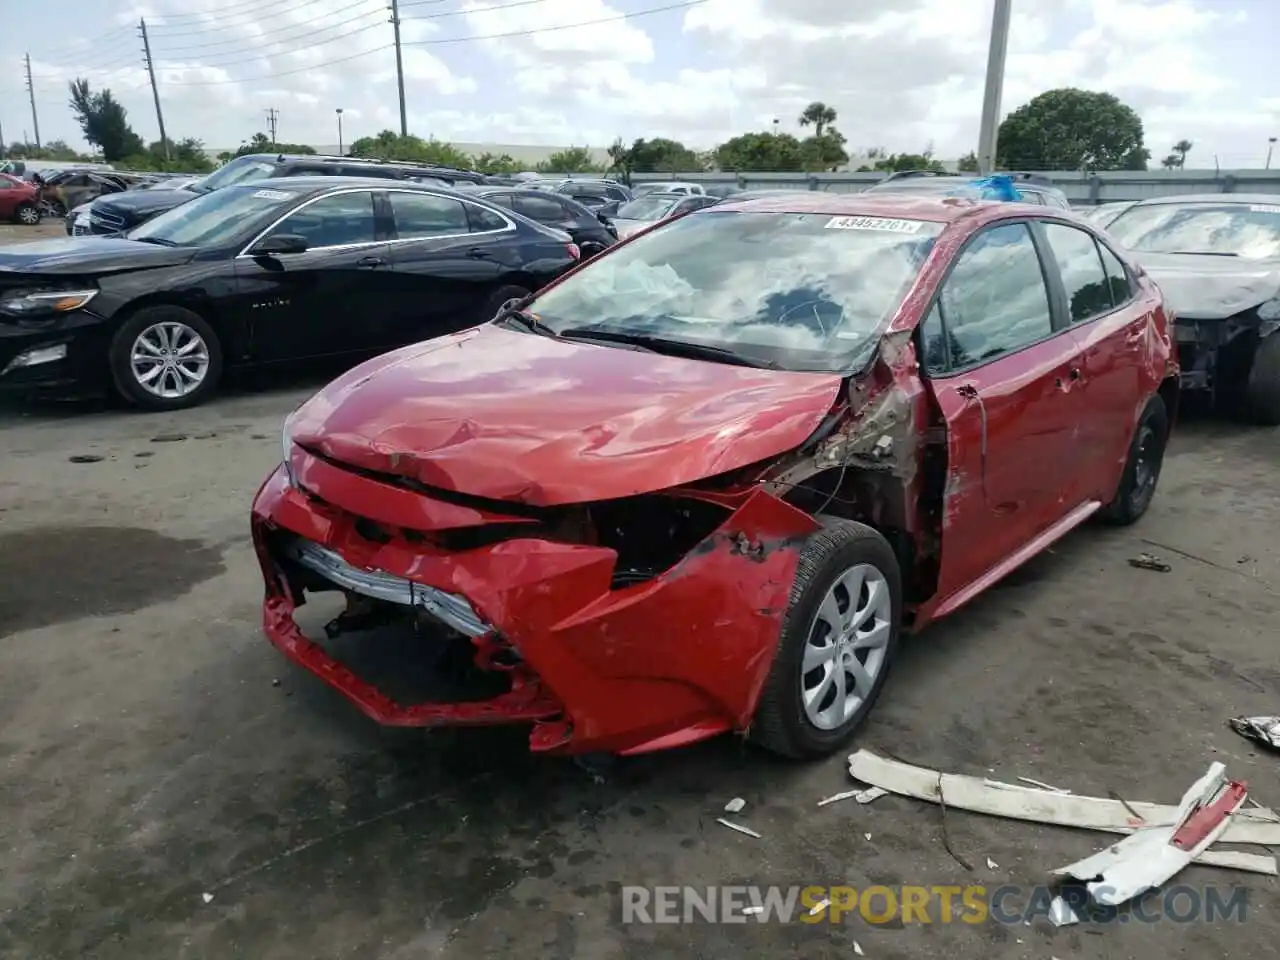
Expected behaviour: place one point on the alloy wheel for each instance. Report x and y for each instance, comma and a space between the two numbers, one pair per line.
169, 360
847, 646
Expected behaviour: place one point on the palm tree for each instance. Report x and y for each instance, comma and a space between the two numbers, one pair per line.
1182, 148
819, 116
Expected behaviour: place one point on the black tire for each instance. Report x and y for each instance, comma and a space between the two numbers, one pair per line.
780, 723
1142, 466
1263, 388
489, 309
127, 385
27, 214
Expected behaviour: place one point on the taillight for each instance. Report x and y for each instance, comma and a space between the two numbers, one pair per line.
574, 250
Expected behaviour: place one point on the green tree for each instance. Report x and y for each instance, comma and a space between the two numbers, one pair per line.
1072, 129
104, 121
185, 156
261, 143
1182, 148
661, 155
500, 165
819, 116
389, 145
761, 153
824, 151
1171, 162
897, 162
572, 160
621, 159
968, 163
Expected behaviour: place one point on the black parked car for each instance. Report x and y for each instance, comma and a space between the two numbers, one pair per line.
258, 273
592, 232
119, 213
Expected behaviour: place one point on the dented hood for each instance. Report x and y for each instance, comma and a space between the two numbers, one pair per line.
1209, 287
508, 415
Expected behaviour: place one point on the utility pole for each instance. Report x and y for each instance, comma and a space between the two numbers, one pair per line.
31, 91
395, 25
1271, 145
273, 118
155, 91
989, 130
3, 149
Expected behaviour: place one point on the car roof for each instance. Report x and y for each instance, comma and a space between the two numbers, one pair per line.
317, 182
905, 206
1269, 199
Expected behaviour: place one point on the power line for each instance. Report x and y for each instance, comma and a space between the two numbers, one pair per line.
239, 41
206, 15
566, 26
282, 73
463, 13
267, 52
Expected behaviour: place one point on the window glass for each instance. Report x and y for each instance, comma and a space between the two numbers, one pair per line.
426, 215
800, 290
1239, 229
542, 209
500, 199
934, 340
1117, 276
482, 219
995, 300
1088, 293
332, 221
616, 193
217, 217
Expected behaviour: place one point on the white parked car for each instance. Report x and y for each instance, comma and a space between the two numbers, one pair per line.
669, 186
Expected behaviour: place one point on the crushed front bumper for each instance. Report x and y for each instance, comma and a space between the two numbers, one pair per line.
596, 667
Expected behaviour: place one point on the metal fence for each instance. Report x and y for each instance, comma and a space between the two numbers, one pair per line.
1088, 189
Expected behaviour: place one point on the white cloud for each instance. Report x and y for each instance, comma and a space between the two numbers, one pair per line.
901, 73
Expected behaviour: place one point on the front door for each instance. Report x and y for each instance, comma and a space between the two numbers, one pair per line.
331, 298
1004, 368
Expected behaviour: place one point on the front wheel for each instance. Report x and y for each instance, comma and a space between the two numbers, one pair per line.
839, 637
1142, 468
28, 215
1263, 388
165, 358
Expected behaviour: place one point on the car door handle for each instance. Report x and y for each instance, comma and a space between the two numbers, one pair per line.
478, 253
1073, 375
370, 263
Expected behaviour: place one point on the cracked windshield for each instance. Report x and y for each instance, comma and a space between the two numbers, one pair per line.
795, 291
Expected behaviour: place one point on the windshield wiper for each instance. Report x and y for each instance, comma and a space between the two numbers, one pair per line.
697, 351
158, 241
525, 319
1206, 253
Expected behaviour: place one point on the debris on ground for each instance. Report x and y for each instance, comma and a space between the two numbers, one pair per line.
735, 805
739, 827
1149, 561
871, 793
1154, 855
169, 438
1263, 730
85, 458
1044, 786
837, 797
752, 911
992, 865
857, 949
1259, 826
866, 836
819, 907
1061, 914
207, 897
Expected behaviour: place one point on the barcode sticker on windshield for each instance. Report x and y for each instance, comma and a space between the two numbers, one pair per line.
272, 195
1264, 208
873, 223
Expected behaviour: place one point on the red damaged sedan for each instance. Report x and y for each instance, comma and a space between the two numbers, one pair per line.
702, 482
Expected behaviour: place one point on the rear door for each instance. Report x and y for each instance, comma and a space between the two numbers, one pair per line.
1003, 367
328, 300
1110, 324
447, 259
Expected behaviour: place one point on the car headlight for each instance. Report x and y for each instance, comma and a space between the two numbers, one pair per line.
46, 303
1269, 310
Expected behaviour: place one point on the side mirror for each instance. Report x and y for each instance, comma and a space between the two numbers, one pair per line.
280, 243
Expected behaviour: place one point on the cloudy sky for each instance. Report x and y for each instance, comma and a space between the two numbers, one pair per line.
901, 73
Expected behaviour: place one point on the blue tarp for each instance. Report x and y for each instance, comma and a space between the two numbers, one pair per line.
998, 186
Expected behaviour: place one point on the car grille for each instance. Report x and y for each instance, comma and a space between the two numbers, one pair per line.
102, 222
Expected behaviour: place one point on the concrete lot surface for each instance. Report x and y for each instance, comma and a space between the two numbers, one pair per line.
16, 233
149, 758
